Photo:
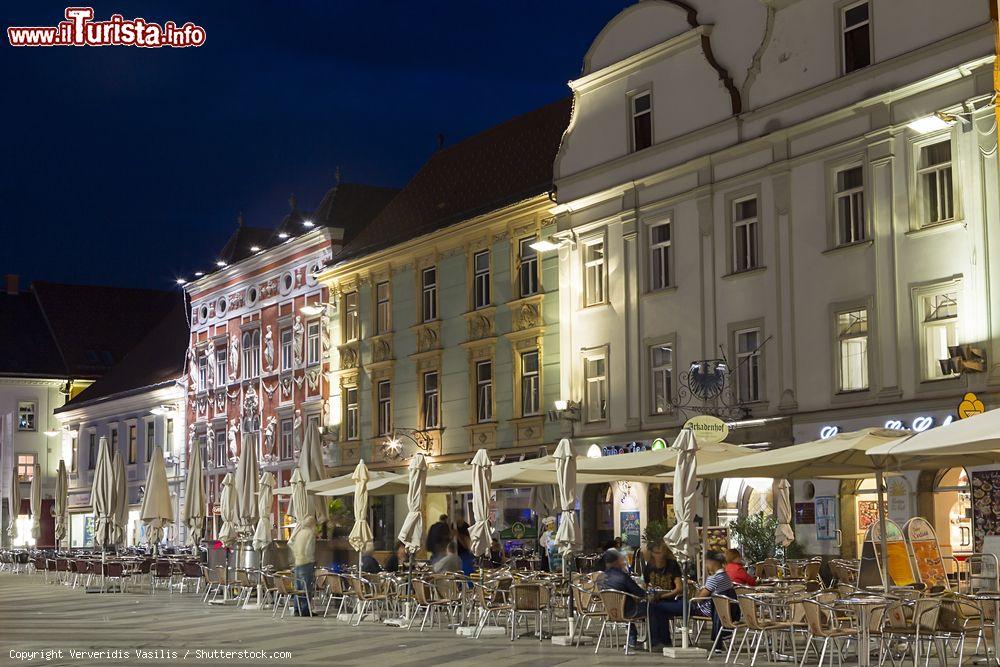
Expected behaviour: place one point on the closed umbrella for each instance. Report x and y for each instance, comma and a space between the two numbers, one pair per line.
361, 534
194, 498
36, 503
13, 504
312, 469
247, 473
61, 502
411, 534
265, 498
102, 496
682, 538
157, 511
479, 531
783, 533
120, 516
227, 510
566, 478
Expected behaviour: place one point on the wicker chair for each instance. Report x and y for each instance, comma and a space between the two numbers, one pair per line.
824, 626
424, 593
335, 590
616, 617
491, 600
285, 591
724, 610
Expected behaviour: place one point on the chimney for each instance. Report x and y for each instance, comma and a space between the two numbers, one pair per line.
11, 281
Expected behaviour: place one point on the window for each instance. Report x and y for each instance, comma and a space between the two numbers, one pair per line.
113, 441
431, 400
202, 372
221, 449
428, 283
286, 349
481, 279
531, 386
26, 416
659, 255
856, 26
133, 445
849, 202
383, 313
938, 330
744, 234
384, 407
168, 441
25, 467
642, 121
748, 365
352, 317
661, 361
527, 267
286, 439
935, 182
596, 378
251, 354
852, 344
92, 451
150, 439
221, 365
312, 343
353, 413
595, 284
74, 455
484, 391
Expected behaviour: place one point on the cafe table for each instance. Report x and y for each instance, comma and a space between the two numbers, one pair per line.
864, 606
991, 597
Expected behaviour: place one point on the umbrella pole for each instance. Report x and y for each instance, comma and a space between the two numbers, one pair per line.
882, 546
684, 608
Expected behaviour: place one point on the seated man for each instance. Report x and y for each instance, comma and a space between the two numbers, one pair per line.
617, 579
370, 564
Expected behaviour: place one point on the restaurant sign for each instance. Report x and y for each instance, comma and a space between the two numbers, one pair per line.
707, 428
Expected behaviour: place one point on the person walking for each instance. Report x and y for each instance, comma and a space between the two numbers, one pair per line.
438, 537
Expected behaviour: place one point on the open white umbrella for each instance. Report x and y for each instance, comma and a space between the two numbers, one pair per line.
479, 531
265, 498
120, 500
247, 473
61, 502
194, 498
13, 504
566, 478
361, 533
157, 511
783, 533
312, 469
36, 503
683, 537
227, 510
102, 496
975, 440
411, 534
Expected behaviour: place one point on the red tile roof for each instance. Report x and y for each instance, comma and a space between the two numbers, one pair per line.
501, 166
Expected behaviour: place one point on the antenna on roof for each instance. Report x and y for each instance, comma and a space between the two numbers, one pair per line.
336, 174
440, 140
239, 219
291, 201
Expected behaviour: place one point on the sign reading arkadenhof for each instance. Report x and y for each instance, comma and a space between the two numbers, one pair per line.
707, 428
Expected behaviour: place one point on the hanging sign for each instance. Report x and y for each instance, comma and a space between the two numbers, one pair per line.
970, 406
707, 428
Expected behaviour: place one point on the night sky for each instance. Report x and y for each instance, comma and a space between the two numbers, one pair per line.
128, 166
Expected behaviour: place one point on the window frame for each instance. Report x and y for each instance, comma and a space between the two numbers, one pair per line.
597, 267
286, 439
666, 251
93, 446
753, 224
859, 192
482, 287
634, 117
314, 347
29, 409
485, 394
250, 353
383, 308
351, 307
150, 436
918, 295
919, 172
352, 413
527, 267
590, 383
843, 30
430, 403
383, 405
758, 354
286, 345
132, 444
662, 368
837, 311
25, 478
531, 384
221, 453
428, 295
221, 361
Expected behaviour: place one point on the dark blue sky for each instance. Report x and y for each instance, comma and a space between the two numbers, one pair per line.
128, 166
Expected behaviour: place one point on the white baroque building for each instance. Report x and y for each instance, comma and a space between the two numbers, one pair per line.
805, 188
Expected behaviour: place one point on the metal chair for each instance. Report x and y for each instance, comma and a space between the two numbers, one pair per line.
616, 616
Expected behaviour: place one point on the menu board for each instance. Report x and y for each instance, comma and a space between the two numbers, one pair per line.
717, 538
631, 532
985, 505
826, 517
868, 513
899, 567
926, 552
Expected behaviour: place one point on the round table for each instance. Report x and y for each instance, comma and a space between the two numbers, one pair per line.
864, 605
994, 597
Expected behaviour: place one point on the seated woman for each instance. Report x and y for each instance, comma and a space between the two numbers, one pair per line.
737, 573
397, 559
663, 573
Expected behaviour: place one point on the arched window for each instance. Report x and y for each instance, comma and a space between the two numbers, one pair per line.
251, 354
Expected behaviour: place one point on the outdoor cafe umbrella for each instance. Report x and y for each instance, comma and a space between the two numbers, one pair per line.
156, 511
227, 510
13, 504
683, 537
120, 500
361, 534
36, 503
60, 503
412, 532
265, 498
247, 473
566, 478
783, 533
312, 469
102, 496
479, 531
973, 441
194, 498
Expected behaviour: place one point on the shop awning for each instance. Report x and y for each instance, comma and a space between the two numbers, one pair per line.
975, 440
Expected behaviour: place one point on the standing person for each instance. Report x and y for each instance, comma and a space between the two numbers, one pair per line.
303, 545
438, 537
546, 540
617, 579
737, 572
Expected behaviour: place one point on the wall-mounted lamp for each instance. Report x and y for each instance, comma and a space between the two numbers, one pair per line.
565, 410
160, 410
52, 433
544, 245
933, 123
312, 309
